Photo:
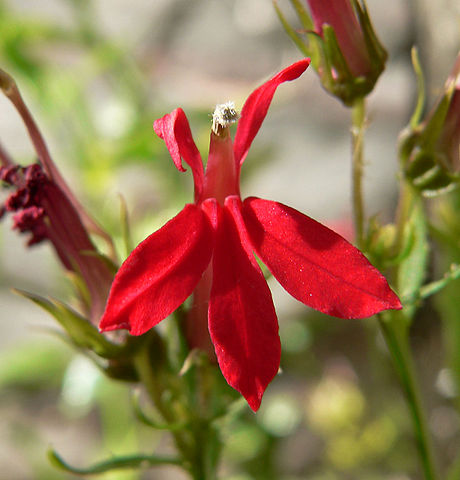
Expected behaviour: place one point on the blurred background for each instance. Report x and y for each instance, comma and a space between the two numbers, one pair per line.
96, 74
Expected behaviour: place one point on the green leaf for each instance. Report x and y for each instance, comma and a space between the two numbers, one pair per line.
82, 333
115, 463
412, 269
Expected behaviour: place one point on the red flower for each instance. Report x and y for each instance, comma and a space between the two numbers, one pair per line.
219, 234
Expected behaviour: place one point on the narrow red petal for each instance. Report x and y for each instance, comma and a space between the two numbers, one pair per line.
242, 318
174, 129
256, 107
160, 273
314, 264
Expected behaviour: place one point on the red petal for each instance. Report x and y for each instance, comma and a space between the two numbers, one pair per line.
242, 318
314, 264
160, 273
256, 107
174, 129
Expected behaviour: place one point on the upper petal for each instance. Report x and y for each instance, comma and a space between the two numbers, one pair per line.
256, 107
314, 264
174, 129
160, 273
242, 319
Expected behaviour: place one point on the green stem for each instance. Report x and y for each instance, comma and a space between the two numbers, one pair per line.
195, 442
358, 116
151, 382
395, 332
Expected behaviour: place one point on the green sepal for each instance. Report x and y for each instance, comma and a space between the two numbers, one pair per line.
334, 57
290, 31
147, 420
82, 333
138, 461
433, 128
421, 93
377, 53
344, 85
125, 226
303, 15
423, 136
412, 268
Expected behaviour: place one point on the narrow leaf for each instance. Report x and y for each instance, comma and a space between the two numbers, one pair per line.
80, 330
115, 463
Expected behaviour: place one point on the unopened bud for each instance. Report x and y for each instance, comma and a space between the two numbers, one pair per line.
430, 150
339, 37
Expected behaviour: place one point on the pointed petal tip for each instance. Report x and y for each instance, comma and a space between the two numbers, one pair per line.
388, 301
393, 302
254, 403
314, 264
299, 67
242, 319
257, 104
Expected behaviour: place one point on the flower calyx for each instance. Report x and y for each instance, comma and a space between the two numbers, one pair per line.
340, 39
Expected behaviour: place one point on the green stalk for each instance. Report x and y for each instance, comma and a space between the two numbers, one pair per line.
358, 117
395, 332
196, 440
393, 325
154, 388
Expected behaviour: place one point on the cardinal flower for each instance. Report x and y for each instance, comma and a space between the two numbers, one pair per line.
209, 247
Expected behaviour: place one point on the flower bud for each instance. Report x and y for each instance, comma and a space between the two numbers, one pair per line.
340, 39
430, 149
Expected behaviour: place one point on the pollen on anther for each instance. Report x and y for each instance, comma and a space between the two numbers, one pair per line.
224, 115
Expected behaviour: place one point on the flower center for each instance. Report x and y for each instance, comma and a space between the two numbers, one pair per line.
224, 115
